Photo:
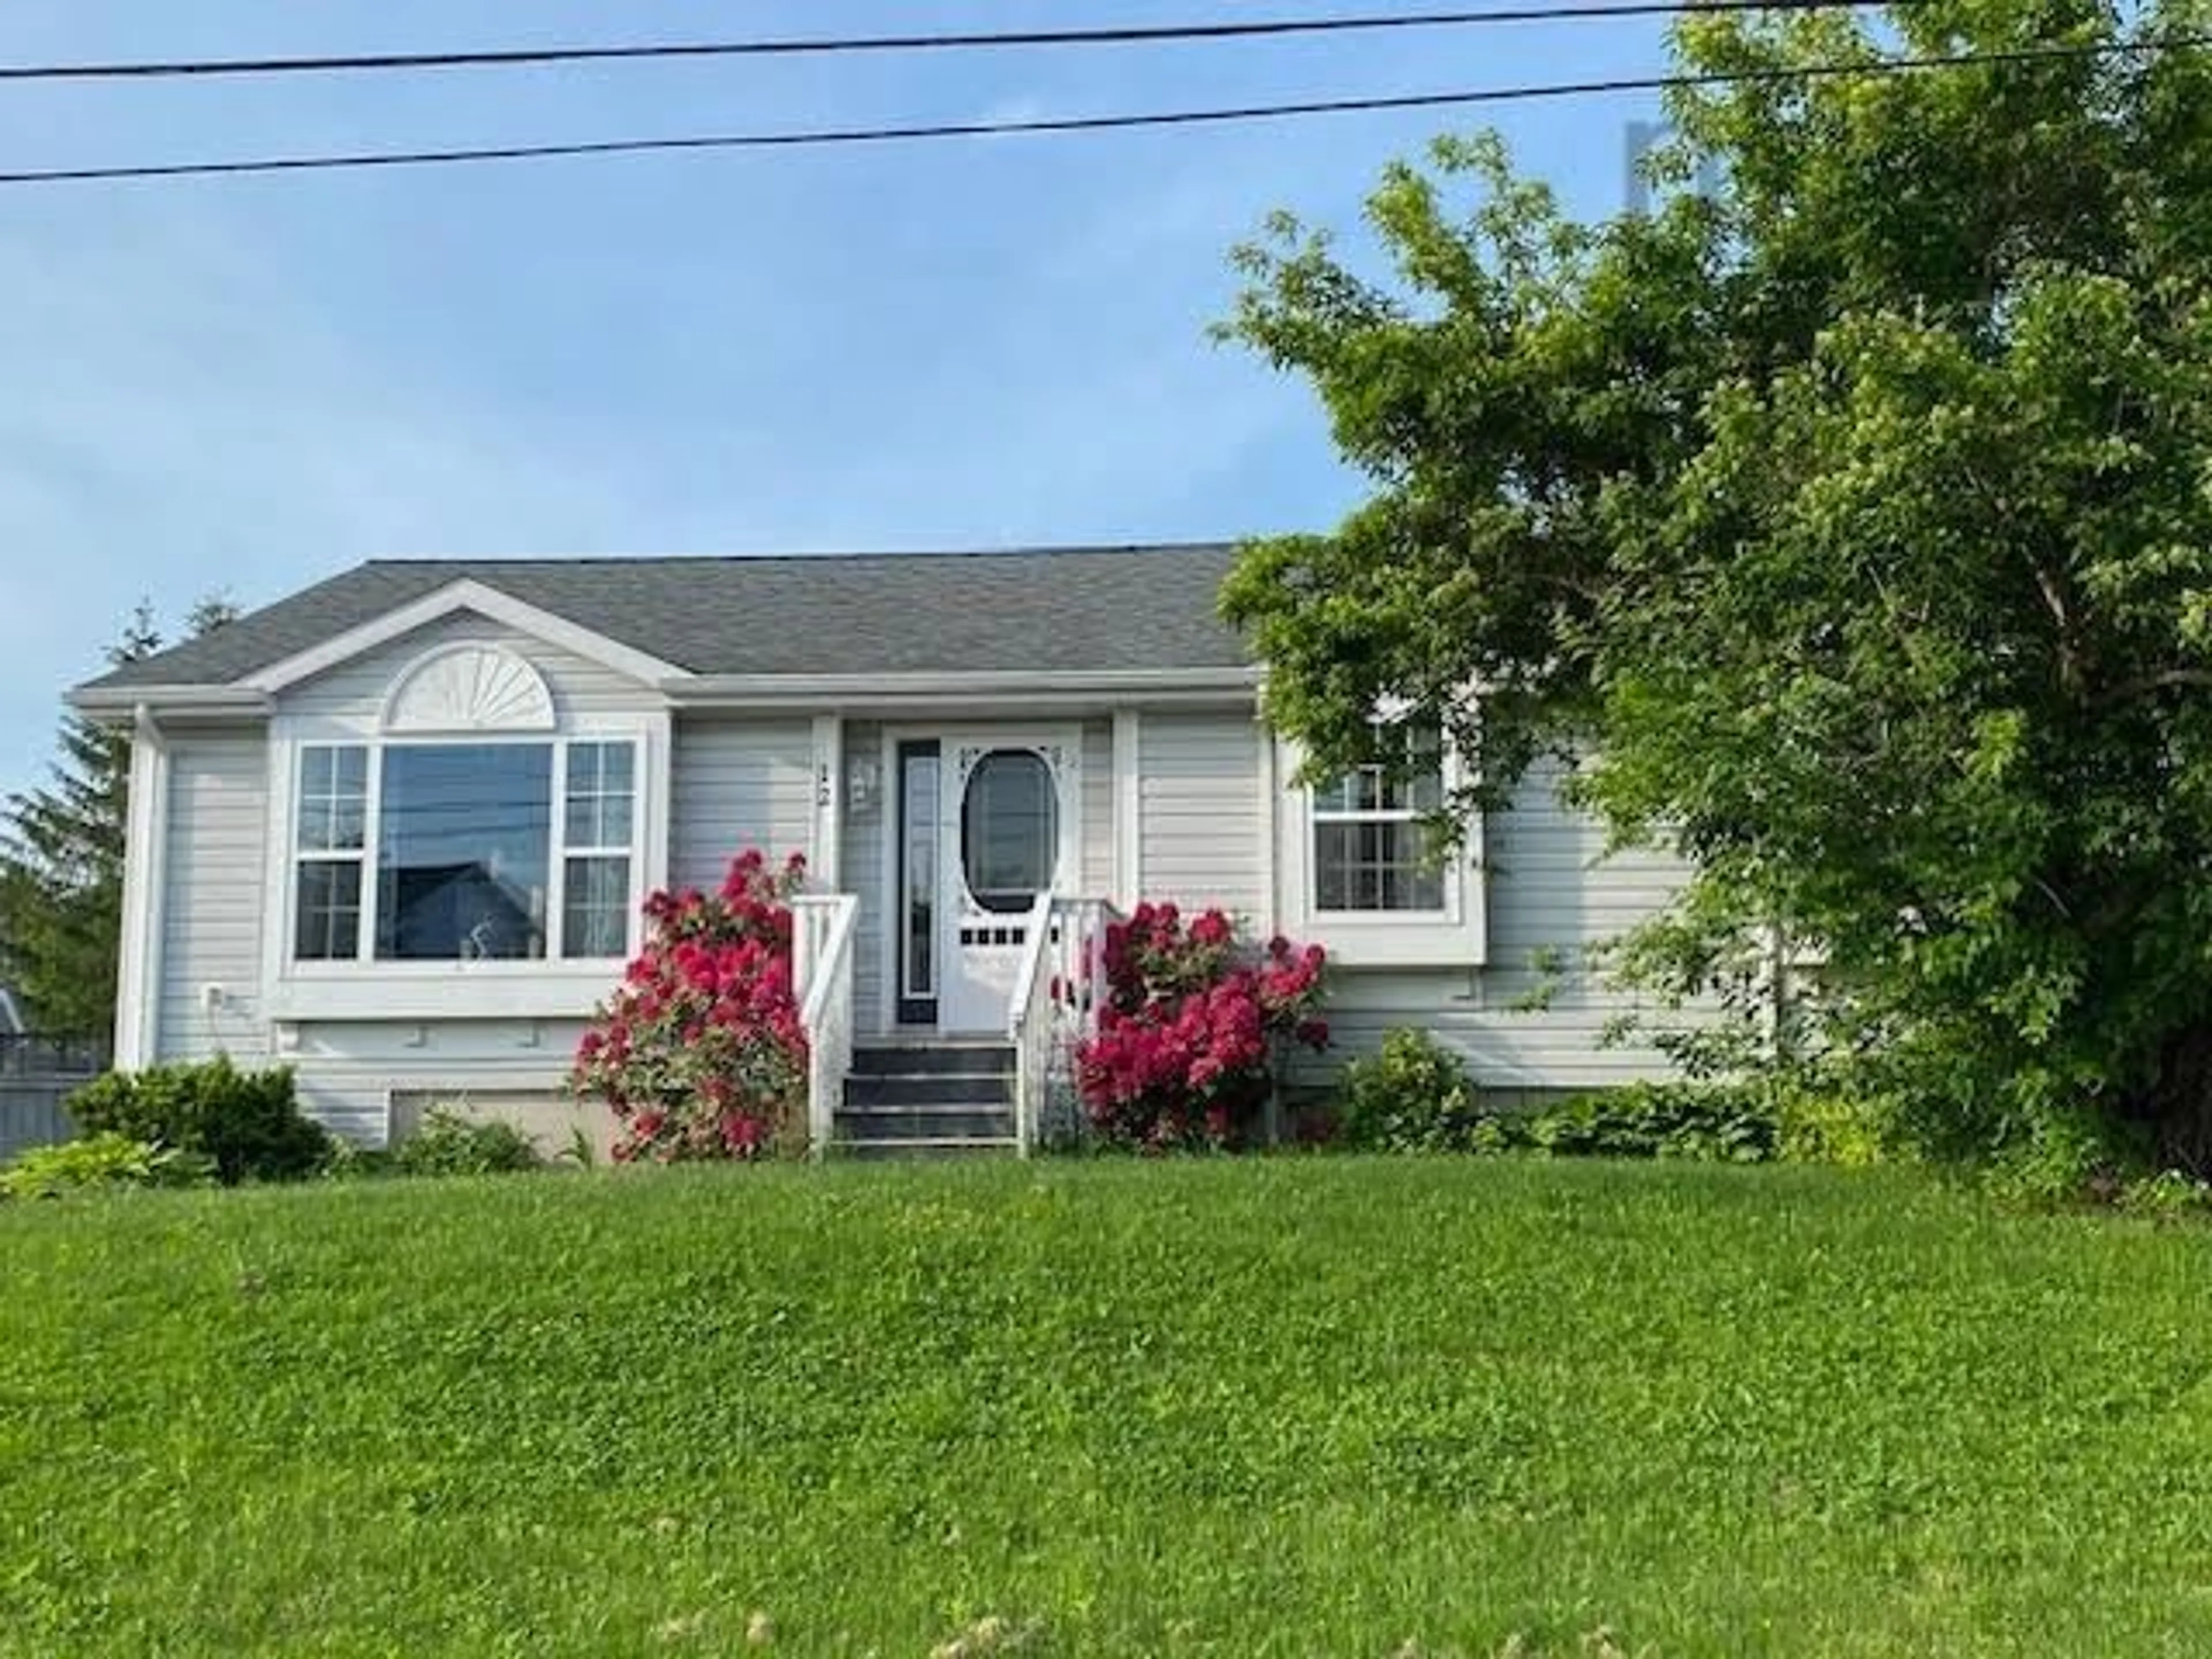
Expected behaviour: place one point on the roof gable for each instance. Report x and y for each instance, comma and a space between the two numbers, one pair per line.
466, 594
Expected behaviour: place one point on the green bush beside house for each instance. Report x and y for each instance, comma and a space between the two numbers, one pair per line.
248, 1123
210, 1124
1413, 1095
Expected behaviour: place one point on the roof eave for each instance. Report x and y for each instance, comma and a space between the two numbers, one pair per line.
116, 704
1133, 686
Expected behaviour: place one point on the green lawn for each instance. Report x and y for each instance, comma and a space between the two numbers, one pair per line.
1275, 1407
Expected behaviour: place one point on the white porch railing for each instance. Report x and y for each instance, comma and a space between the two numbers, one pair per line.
1055, 1002
822, 930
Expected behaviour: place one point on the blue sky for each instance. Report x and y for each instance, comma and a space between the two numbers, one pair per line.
244, 386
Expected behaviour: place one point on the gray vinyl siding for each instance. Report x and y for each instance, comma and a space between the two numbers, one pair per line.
738, 784
1095, 879
349, 1072
218, 809
1200, 821
356, 689
1552, 893
346, 1102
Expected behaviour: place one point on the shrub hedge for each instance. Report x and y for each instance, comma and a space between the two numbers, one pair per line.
248, 1123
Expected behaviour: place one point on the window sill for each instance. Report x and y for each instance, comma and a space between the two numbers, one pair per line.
1380, 939
460, 990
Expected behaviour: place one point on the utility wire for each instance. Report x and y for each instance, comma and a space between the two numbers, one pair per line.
1563, 11
842, 137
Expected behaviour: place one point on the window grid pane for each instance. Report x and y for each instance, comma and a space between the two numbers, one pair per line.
581, 826
333, 803
1374, 864
617, 768
600, 811
595, 907
1334, 796
327, 922
1369, 842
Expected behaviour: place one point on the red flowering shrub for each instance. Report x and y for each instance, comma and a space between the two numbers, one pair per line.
1189, 1023
701, 1053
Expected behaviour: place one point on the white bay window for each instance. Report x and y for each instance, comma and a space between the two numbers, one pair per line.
457, 861
465, 825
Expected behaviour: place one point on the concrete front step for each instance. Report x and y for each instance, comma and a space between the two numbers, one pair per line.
927, 1098
931, 1089
916, 1058
942, 1146
927, 1121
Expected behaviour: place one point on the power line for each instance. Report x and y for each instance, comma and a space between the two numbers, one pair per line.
1563, 11
842, 137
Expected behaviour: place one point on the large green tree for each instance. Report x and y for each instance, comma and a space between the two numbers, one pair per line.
61, 860
1851, 520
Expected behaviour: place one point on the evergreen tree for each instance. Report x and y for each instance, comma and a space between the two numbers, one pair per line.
61, 860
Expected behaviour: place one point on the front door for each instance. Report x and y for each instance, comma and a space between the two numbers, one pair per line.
1007, 832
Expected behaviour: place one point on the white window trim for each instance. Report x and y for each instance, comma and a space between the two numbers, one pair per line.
364, 989
1408, 816
1456, 937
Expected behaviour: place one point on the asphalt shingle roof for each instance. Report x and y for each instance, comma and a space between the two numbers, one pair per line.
1055, 609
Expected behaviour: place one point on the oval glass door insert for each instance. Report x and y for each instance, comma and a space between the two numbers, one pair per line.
1009, 830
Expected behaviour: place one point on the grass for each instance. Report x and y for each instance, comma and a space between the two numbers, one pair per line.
1280, 1407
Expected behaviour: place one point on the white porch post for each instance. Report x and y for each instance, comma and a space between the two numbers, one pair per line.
1272, 831
1271, 890
658, 743
825, 857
